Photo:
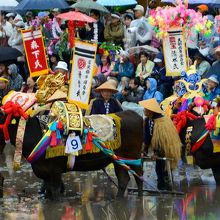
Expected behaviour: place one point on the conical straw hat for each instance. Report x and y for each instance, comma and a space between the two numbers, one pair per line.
107, 86
152, 105
57, 95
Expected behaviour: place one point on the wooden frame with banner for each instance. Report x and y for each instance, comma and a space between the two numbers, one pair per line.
83, 68
175, 52
35, 52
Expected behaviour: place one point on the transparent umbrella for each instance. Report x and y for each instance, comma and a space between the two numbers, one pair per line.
138, 49
87, 5
7, 5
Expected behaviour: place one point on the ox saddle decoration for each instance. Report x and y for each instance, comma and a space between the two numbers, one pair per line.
106, 127
48, 85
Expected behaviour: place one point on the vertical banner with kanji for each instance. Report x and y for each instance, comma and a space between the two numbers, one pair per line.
81, 77
174, 48
35, 52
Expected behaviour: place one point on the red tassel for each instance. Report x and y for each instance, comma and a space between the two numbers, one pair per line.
211, 124
180, 119
60, 126
53, 142
89, 142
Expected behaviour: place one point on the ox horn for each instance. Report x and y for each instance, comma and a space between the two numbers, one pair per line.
186, 84
199, 84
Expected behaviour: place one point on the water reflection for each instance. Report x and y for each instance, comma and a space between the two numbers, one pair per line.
90, 196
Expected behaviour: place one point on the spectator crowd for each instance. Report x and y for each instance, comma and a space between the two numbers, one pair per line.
119, 83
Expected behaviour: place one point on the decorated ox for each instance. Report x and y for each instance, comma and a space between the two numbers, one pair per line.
50, 170
188, 109
198, 143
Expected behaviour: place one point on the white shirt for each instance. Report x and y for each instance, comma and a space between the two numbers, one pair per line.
15, 41
7, 29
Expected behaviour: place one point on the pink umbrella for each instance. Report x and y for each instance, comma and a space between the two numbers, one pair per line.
74, 18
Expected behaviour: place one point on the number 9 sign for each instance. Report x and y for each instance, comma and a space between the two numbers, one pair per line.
73, 144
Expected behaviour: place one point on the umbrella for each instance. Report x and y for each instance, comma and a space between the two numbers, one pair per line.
7, 5
138, 49
73, 17
116, 2
214, 3
86, 5
76, 16
41, 4
9, 53
135, 51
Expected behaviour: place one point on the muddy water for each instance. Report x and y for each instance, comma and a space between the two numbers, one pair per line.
91, 196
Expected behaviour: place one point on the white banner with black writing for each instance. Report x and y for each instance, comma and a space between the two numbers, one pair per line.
175, 52
83, 68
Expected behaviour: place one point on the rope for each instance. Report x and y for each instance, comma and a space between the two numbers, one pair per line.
111, 180
122, 163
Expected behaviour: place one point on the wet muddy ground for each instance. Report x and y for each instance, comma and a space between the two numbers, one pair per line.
91, 196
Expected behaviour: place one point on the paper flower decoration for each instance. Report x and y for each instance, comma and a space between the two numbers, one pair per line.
199, 101
163, 19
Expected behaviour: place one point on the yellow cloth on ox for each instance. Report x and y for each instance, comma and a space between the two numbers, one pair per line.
25, 100
112, 143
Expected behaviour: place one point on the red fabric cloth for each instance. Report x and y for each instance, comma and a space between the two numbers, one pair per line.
180, 119
211, 123
198, 144
11, 110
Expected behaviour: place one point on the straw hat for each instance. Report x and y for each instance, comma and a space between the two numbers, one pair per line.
152, 105
57, 96
107, 86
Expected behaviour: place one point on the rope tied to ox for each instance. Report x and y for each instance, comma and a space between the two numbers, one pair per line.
124, 162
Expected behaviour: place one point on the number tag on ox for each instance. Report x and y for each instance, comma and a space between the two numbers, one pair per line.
73, 144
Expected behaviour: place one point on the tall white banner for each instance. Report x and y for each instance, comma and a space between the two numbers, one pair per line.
82, 73
174, 48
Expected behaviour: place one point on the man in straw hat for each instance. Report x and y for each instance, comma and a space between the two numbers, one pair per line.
106, 104
162, 137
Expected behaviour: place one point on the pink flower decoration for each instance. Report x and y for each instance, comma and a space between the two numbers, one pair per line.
179, 16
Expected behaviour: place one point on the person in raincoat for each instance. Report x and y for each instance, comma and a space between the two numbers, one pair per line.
151, 90
15, 40
141, 27
16, 80
158, 130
